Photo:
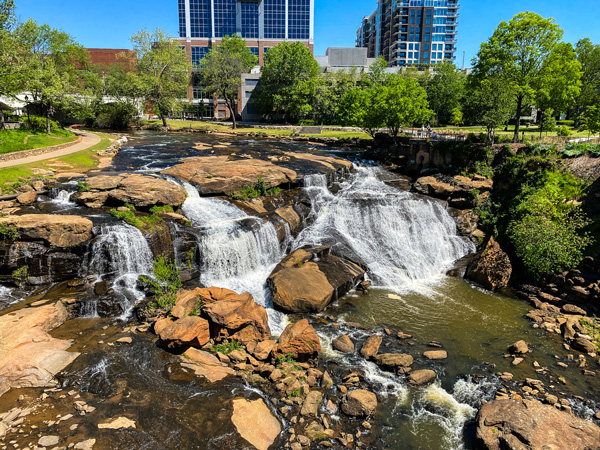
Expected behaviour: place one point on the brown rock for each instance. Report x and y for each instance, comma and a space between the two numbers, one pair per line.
572, 309
394, 360
161, 324
290, 216
529, 425
343, 344
436, 354
206, 365
56, 230
434, 187
91, 199
327, 381
300, 340
263, 349
584, 345
519, 347
189, 331
491, 267
104, 182
359, 403
371, 346
311, 404
144, 191
420, 377
255, 422
27, 198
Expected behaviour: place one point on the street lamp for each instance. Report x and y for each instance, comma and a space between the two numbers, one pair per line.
27, 106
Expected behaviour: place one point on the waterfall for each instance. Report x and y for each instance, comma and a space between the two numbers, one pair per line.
315, 187
120, 254
61, 197
405, 241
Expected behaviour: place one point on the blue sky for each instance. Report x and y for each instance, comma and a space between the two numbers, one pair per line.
110, 23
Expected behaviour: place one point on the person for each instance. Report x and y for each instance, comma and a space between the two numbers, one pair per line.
422, 130
428, 129
433, 135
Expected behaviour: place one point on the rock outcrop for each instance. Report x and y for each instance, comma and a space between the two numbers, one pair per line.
300, 340
529, 425
30, 356
491, 267
190, 331
359, 403
255, 422
458, 190
52, 229
309, 279
206, 365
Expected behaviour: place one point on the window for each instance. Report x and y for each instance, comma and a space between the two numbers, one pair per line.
254, 51
200, 21
198, 53
182, 30
426, 47
249, 20
274, 16
225, 22
299, 19
426, 55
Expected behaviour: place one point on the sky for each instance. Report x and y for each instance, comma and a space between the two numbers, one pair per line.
110, 23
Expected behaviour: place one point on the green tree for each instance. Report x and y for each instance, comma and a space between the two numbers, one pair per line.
288, 82
588, 55
222, 70
377, 74
163, 70
359, 109
329, 91
445, 89
520, 51
590, 120
547, 121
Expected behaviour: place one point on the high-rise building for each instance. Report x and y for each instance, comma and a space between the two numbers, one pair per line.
411, 31
261, 23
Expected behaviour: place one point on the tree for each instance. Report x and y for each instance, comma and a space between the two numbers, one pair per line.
163, 70
445, 89
588, 55
547, 121
329, 91
590, 120
222, 70
520, 52
359, 109
53, 69
288, 82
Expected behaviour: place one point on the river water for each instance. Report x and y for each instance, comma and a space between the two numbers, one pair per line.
406, 242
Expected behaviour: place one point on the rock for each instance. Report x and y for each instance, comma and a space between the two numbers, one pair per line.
290, 216
299, 340
311, 404
56, 230
47, 441
240, 317
420, 377
30, 356
434, 187
117, 424
90, 199
125, 340
371, 346
359, 403
519, 347
529, 425
436, 354
190, 331
491, 267
517, 361
572, 309
584, 345
308, 279
394, 361
343, 344
27, 198
206, 365
161, 324
85, 445
221, 175
101, 288
263, 349
315, 431
255, 423
327, 381
188, 301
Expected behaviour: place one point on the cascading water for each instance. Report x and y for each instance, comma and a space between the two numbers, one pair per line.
61, 197
120, 255
237, 251
405, 241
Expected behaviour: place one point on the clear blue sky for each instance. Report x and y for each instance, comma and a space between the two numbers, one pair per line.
110, 23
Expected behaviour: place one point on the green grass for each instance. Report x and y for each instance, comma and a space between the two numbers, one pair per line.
529, 131
19, 140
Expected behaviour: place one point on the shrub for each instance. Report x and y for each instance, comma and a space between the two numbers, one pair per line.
82, 186
116, 116
39, 123
226, 348
259, 189
568, 123
20, 274
9, 232
165, 283
563, 131
161, 209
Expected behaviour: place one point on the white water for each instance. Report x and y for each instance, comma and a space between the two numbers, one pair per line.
121, 254
62, 199
407, 243
237, 251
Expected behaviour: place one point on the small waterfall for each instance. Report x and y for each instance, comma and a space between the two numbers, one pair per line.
61, 197
6, 297
120, 254
315, 187
405, 241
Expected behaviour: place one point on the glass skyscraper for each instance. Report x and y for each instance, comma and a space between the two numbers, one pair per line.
411, 31
262, 23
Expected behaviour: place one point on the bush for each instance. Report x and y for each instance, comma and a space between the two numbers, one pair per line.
258, 190
563, 131
116, 116
568, 123
8, 232
39, 123
165, 283
226, 348
573, 149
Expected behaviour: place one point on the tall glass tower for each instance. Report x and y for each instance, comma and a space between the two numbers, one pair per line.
411, 31
262, 23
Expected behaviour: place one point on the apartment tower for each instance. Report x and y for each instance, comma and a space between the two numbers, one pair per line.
411, 31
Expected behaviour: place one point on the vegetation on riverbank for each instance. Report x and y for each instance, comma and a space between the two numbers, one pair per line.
26, 139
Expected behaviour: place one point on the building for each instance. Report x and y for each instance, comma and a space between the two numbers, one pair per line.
411, 31
107, 57
261, 23
339, 59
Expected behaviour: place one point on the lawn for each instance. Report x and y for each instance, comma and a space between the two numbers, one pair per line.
18, 140
529, 131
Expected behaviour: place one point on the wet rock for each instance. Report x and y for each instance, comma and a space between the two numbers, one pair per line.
117, 424
436, 354
394, 361
206, 365
308, 279
55, 230
300, 340
572, 309
101, 288
491, 267
311, 404
47, 441
343, 344
189, 331
359, 403
420, 377
529, 425
519, 347
584, 345
85, 445
371, 346
255, 423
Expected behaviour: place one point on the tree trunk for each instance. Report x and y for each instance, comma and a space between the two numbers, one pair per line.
231, 105
164, 119
48, 131
542, 117
518, 118
1, 119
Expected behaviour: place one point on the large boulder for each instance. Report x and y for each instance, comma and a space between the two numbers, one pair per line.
54, 230
255, 422
531, 425
30, 356
371, 346
444, 187
359, 403
191, 331
420, 377
491, 267
221, 175
309, 279
394, 361
300, 340
206, 365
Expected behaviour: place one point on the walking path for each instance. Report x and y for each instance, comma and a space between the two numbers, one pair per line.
89, 140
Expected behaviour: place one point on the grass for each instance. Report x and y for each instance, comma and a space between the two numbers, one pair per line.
529, 131
19, 140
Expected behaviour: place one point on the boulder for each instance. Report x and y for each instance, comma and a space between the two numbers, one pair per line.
436, 354
573, 309
190, 331
458, 187
206, 365
309, 279
30, 356
255, 422
221, 175
263, 349
55, 230
519, 347
394, 361
343, 344
311, 404
300, 340
359, 403
491, 267
420, 377
434, 187
90, 199
584, 345
371, 346
529, 425
27, 198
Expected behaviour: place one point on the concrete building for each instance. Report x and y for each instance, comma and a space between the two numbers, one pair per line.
411, 31
339, 59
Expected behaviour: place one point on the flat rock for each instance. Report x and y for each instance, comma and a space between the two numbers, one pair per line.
85, 445
117, 424
255, 423
394, 360
54, 229
206, 365
47, 441
359, 403
420, 377
436, 354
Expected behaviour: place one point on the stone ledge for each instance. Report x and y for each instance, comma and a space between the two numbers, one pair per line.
38, 151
